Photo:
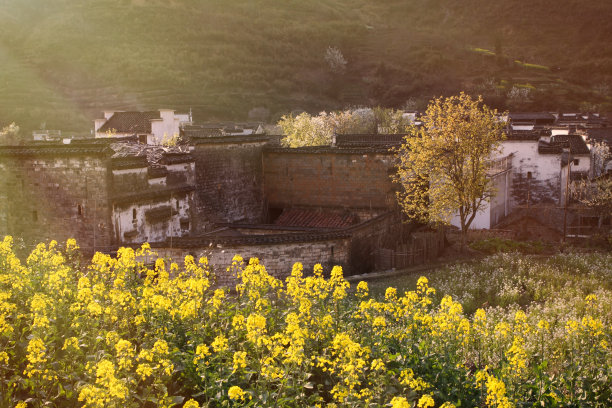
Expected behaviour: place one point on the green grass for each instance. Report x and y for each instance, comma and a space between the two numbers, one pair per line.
512, 279
65, 61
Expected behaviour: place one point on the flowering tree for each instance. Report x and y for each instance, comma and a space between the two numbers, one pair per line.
307, 130
443, 164
9, 134
596, 195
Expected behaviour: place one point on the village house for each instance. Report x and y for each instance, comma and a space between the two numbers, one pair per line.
226, 191
151, 127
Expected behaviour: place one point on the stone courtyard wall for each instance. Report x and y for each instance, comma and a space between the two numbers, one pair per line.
329, 177
229, 180
56, 192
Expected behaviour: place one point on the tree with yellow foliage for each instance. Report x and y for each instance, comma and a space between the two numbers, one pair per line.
443, 164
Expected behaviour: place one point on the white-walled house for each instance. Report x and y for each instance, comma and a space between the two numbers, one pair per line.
151, 127
152, 202
535, 172
498, 206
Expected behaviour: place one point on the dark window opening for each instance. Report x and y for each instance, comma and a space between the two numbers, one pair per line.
576, 162
134, 214
529, 175
273, 214
79, 210
332, 252
142, 139
35, 215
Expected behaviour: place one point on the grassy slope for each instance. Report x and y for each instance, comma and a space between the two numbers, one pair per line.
64, 61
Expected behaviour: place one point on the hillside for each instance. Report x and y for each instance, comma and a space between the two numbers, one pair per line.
62, 62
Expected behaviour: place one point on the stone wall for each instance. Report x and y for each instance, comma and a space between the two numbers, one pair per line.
329, 177
56, 192
367, 237
278, 254
229, 180
353, 248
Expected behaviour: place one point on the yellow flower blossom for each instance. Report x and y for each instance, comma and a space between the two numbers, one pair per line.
202, 351
426, 401
236, 393
239, 360
400, 402
219, 344
191, 404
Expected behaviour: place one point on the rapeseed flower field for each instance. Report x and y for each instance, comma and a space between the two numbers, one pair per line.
119, 333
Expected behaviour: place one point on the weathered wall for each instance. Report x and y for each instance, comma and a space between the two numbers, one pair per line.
367, 237
152, 219
544, 186
499, 203
353, 248
278, 257
146, 211
229, 180
328, 177
56, 193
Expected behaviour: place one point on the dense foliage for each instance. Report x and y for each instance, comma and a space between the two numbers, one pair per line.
118, 333
308, 130
63, 62
443, 165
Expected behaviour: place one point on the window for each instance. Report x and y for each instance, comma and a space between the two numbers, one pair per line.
134, 215
529, 175
576, 162
79, 210
35, 215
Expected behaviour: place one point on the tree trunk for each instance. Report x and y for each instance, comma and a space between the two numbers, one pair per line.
463, 233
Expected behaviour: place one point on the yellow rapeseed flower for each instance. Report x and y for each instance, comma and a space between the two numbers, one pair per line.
399, 402
236, 393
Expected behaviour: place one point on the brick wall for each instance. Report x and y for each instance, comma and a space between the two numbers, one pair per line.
57, 194
229, 181
329, 177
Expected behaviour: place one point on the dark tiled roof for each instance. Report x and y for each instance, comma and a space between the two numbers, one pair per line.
530, 116
230, 139
601, 135
315, 218
129, 122
104, 140
533, 135
268, 239
201, 131
576, 144
55, 150
176, 158
132, 196
129, 162
365, 140
329, 149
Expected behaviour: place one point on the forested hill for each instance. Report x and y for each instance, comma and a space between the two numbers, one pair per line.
63, 61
